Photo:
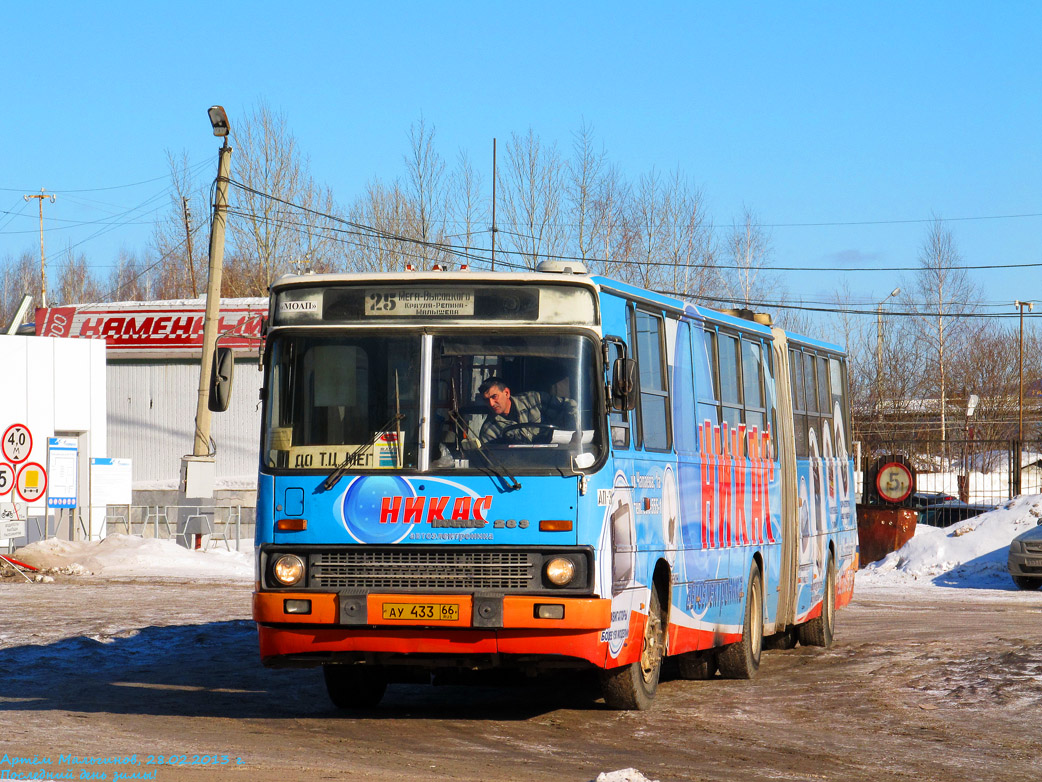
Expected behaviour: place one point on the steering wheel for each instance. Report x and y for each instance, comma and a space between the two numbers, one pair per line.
533, 425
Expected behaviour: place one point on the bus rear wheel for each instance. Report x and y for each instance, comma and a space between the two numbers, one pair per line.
741, 660
633, 686
821, 630
354, 686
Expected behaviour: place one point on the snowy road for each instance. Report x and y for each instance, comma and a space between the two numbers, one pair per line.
930, 684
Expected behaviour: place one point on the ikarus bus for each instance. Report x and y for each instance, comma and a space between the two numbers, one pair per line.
463, 471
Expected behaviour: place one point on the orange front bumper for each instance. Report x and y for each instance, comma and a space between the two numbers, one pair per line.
576, 634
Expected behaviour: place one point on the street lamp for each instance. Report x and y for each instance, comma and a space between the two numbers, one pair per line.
200, 467
879, 351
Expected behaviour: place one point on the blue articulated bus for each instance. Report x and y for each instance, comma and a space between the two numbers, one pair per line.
475, 470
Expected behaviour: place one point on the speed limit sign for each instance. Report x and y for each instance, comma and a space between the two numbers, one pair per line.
18, 443
6, 478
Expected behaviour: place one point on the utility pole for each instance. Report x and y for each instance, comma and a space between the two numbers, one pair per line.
879, 354
188, 238
43, 269
1019, 455
493, 204
213, 300
198, 471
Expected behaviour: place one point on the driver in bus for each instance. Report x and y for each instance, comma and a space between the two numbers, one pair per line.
509, 411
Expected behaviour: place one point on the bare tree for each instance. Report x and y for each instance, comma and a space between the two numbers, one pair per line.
387, 215
687, 252
425, 173
77, 283
942, 296
584, 183
748, 255
532, 184
611, 217
131, 279
280, 219
179, 237
21, 277
468, 208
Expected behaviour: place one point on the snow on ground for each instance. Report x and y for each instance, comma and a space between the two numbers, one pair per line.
970, 555
123, 556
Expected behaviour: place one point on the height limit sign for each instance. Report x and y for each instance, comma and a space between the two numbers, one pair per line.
17, 443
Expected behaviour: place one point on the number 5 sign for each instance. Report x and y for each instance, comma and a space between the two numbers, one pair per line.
18, 443
6, 478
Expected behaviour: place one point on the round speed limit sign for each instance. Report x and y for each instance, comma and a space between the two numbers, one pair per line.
18, 443
6, 478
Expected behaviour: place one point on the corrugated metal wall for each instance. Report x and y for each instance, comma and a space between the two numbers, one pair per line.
151, 419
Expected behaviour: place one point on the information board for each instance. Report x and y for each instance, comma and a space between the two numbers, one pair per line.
110, 482
61, 469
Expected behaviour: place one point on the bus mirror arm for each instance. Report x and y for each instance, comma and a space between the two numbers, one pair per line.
624, 384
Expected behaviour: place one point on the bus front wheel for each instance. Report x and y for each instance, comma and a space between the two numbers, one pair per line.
633, 686
354, 686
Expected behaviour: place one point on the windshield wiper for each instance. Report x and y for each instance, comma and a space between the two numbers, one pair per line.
338, 473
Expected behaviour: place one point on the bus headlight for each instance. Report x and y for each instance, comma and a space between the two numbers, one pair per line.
288, 569
560, 571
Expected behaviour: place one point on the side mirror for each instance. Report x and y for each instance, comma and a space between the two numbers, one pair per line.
624, 384
221, 380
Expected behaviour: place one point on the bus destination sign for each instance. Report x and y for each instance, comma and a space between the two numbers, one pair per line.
418, 302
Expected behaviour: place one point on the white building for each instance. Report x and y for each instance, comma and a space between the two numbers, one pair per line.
153, 354
52, 388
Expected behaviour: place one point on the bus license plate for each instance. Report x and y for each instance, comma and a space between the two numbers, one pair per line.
1033, 562
412, 612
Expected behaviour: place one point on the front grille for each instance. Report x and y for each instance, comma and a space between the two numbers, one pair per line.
407, 568
1032, 547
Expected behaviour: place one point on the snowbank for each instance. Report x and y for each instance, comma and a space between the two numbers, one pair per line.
970, 554
132, 556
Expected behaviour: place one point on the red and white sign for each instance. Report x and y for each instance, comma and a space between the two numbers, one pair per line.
18, 443
155, 325
6, 478
32, 482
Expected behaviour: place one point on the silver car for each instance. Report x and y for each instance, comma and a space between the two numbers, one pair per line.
1025, 558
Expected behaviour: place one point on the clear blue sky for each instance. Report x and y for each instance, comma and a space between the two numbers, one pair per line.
808, 113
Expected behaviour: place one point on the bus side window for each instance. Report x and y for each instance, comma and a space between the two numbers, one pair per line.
839, 393
654, 391
730, 379
799, 401
752, 385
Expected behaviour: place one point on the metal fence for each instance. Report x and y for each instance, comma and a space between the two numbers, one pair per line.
975, 471
205, 526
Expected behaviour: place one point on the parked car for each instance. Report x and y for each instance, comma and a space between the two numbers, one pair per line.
924, 499
1025, 558
947, 513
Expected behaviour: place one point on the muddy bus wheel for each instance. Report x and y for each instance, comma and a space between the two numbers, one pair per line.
741, 660
821, 630
633, 686
354, 686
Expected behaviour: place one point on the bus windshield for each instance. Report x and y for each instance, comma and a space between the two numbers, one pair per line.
524, 402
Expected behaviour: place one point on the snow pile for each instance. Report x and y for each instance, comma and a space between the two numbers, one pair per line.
969, 554
133, 556
623, 775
